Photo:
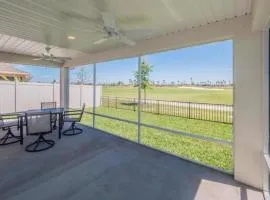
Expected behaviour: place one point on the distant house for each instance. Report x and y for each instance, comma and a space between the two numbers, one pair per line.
9, 73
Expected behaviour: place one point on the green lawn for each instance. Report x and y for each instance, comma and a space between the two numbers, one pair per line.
215, 96
213, 154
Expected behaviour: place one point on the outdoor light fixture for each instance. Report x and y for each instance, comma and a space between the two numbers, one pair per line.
70, 37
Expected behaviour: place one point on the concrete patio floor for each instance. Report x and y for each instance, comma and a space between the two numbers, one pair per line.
99, 166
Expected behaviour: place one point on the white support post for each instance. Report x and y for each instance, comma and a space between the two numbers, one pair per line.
265, 104
139, 99
15, 95
53, 86
64, 87
94, 96
249, 104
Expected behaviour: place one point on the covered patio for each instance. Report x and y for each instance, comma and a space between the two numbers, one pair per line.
96, 165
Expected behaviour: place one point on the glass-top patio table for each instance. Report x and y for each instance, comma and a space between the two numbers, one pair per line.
55, 111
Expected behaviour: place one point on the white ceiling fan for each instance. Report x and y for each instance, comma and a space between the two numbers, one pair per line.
110, 25
47, 56
111, 31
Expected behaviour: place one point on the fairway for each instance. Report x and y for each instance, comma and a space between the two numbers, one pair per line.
199, 95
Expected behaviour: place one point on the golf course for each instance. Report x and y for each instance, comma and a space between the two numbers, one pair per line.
191, 94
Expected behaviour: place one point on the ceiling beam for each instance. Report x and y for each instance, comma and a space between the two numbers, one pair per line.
24, 60
260, 15
217, 31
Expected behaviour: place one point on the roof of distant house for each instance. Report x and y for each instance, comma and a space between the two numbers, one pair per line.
9, 69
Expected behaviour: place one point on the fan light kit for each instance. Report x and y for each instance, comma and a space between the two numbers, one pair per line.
70, 37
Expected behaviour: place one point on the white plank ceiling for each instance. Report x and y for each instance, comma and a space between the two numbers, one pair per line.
28, 26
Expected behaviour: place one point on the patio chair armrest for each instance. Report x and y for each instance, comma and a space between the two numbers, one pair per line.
7, 116
72, 112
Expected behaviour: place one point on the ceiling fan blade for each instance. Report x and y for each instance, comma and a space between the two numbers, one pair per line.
122, 38
100, 41
58, 60
54, 60
36, 59
62, 58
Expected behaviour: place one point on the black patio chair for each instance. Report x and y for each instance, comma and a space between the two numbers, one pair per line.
7, 121
73, 117
48, 105
39, 124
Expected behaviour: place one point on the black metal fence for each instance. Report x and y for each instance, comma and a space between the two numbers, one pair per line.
203, 111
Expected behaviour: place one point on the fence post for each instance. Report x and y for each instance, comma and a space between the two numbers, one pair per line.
134, 104
116, 102
158, 112
189, 111
108, 99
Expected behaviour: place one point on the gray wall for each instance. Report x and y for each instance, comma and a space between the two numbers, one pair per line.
26, 95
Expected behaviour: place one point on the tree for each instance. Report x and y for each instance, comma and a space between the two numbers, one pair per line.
191, 81
83, 77
120, 83
146, 69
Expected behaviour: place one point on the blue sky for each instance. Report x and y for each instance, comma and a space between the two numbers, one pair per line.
211, 62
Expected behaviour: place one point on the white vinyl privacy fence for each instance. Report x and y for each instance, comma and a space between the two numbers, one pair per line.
27, 95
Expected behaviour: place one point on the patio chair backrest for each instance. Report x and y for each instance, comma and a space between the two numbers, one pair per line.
1, 120
82, 111
76, 114
38, 123
46, 105
7, 118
